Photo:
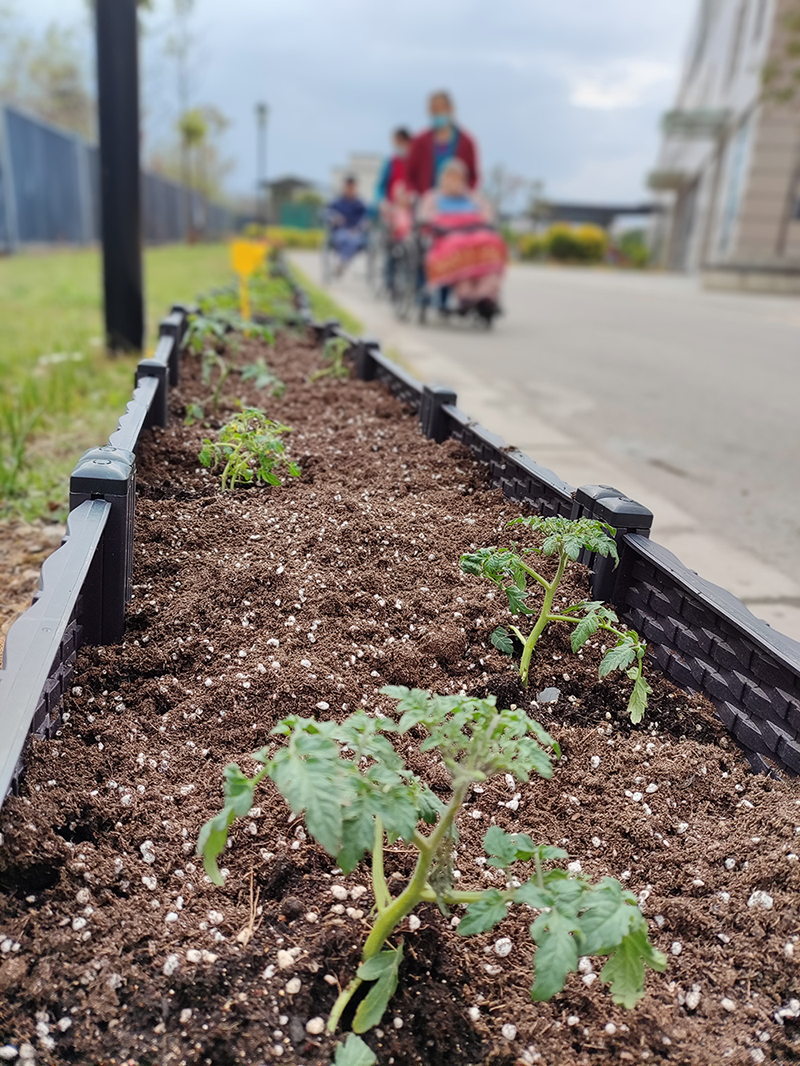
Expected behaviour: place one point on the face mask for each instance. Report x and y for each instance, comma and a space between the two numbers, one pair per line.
441, 122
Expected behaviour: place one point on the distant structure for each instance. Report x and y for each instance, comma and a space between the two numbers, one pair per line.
728, 172
365, 167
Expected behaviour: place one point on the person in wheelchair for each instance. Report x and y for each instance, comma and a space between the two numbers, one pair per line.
347, 218
465, 257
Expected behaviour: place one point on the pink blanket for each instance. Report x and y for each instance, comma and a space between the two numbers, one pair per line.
460, 256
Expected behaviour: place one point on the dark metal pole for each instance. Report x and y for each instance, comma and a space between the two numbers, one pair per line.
118, 108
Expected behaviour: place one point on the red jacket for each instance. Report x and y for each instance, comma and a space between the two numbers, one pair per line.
419, 168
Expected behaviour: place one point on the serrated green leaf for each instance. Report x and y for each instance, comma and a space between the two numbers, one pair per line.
354, 1052
516, 600
606, 918
506, 848
383, 969
484, 914
637, 704
502, 641
556, 953
624, 971
532, 894
617, 658
584, 629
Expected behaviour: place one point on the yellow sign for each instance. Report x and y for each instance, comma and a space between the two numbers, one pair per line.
246, 256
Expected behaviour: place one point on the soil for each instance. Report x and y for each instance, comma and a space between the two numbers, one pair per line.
114, 946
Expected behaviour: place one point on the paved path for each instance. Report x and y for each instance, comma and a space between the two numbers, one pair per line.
688, 401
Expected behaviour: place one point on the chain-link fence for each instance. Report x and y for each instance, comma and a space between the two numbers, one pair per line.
50, 191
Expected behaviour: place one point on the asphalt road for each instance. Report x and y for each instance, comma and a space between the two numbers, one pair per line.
697, 394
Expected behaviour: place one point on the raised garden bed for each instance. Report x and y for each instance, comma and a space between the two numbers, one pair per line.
255, 604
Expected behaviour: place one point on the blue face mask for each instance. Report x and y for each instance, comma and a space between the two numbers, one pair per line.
441, 122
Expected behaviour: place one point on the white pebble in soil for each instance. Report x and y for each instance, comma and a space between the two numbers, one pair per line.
503, 947
8, 1052
728, 1004
762, 899
413, 923
509, 1031
610, 1029
339, 892
293, 986
474, 1014
316, 1026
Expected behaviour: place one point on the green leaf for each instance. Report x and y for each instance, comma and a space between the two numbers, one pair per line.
532, 894
607, 917
502, 641
637, 704
556, 953
383, 969
516, 600
484, 914
624, 971
354, 1052
586, 628
211, 843
506, 848
617, 658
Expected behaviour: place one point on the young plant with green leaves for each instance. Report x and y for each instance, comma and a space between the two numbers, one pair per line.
249, 450
333, 356
263, 378
511, 570
357, 796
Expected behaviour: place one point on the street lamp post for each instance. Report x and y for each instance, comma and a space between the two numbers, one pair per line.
262, 116
118, 120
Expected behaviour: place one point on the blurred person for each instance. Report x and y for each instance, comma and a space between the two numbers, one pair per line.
348, 219
393, 181
436, 146
466, 256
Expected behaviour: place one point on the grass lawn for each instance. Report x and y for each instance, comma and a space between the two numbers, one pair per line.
61, 392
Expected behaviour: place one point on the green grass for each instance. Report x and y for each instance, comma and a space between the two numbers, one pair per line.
61, 392
324, 307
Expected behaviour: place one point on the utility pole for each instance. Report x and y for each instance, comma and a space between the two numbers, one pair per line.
118, 121
262, 192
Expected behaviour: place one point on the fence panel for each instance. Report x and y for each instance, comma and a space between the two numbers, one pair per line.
50, 191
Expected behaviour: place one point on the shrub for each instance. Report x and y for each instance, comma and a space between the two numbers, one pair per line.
532, 246
633, 248
576, 244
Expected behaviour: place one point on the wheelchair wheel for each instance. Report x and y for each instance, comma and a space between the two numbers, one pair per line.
404, 281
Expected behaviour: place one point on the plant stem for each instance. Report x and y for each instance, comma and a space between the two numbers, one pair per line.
542, 620
391, 916
383, 897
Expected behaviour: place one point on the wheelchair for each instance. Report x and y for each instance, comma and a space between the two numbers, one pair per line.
410, 290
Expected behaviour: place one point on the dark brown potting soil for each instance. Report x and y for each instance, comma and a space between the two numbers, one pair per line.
249, 606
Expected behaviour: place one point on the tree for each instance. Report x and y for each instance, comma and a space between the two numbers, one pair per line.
502, 187
47, 76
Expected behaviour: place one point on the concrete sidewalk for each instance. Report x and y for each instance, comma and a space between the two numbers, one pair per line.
504, 409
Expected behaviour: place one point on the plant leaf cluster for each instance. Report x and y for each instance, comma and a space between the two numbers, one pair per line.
511, 571
333, 356
249, 450
263, 377
356, 793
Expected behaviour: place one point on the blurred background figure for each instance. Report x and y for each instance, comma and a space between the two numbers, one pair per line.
348, 220
466, 256
434, 147
393, 180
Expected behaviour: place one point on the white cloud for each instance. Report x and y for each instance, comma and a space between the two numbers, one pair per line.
620, 84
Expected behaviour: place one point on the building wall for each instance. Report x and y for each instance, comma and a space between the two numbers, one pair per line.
736, 191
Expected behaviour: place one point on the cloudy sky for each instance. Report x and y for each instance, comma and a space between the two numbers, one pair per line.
565, 91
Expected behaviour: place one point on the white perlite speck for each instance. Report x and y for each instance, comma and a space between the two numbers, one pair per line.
474, 1014
728, 1004
148, 851
8, 1052
171, 965
186, 1015
413, 922
503, 947
315, 1026
762, 899
677, 947
509, 1031
293, 986
574, 867
338, 892
215, 917
610, 1028
693, 999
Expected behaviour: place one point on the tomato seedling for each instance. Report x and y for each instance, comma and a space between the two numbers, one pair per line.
510, 570
249, 450
333, 356
357, 794
263, 378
